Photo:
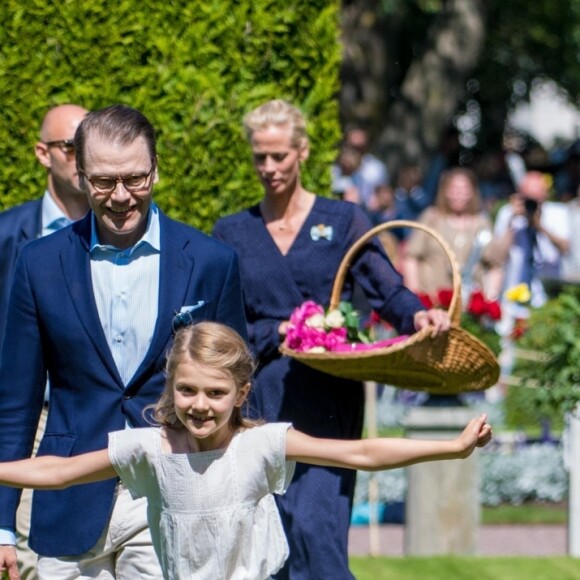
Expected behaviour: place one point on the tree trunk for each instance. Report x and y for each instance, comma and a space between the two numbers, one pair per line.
434, 85
364, 64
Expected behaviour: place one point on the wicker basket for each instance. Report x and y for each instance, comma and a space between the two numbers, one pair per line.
450, 363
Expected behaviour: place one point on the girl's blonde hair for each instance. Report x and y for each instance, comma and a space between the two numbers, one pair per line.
441, 201
279, 113
214, 345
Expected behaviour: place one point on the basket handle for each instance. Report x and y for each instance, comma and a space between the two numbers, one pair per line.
455, 304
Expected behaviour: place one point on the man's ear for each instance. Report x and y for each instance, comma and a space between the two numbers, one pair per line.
304, 150
41, 152
155, 174
83, 185
242, 395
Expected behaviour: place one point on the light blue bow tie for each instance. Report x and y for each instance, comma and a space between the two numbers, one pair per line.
321, 231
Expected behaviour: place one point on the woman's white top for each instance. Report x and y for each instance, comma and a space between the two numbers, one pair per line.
211, 514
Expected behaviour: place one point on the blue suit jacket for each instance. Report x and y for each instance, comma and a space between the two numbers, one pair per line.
18, 225
53, 326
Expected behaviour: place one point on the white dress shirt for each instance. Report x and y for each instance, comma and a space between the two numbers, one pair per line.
126, 289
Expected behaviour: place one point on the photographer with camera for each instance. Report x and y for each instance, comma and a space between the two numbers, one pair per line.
531, 236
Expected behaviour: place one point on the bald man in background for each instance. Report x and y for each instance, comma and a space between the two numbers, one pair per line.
63, 202
531, 236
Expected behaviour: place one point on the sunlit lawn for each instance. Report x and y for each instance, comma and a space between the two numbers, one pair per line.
455, 568
529, 513
492, 568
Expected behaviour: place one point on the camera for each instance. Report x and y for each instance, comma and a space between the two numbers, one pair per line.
531, 207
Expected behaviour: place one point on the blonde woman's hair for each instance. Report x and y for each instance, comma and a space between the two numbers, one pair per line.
214, 345
441, 201
278, 113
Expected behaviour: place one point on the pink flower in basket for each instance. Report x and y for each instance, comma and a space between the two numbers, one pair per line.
308, 330
334, 338
305, 311
362, 346
311, 329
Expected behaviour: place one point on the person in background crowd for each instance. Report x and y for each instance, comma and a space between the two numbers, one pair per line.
446, 157
410, 197
571, 271
92, 307
346, 177
386, 211
63, 202
567, 177
530, 239
458, 219
371, 171
290, 245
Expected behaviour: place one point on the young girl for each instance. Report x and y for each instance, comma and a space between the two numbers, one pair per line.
209, 474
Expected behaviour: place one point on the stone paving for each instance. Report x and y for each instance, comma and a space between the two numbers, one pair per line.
494, 540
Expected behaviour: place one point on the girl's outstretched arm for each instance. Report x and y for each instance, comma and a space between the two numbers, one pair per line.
52, 472
385, 453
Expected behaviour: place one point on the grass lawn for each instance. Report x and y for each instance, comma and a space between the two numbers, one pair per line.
456, 568
529, 513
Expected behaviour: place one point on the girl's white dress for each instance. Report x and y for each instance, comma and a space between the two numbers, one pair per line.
211, 514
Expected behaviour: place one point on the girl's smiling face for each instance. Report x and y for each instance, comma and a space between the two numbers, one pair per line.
205, 398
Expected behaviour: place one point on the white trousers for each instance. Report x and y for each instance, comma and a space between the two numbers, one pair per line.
27, 559
124, 551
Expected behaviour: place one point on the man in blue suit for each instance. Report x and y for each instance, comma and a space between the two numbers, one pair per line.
62, 203
93, 307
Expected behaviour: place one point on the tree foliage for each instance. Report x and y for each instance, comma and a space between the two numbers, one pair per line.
388, 42
193, 67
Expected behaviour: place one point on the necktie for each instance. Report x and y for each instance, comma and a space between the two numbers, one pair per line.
527, 243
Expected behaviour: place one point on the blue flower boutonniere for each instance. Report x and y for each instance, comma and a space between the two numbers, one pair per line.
321, 231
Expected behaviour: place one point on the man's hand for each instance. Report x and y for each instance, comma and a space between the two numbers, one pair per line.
517, 202
436, 317
9, 563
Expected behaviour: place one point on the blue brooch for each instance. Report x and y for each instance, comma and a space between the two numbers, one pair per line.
321, 231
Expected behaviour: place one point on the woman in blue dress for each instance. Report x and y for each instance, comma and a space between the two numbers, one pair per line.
290, 246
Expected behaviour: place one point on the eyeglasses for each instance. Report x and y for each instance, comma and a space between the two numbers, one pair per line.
67, 146
133, 183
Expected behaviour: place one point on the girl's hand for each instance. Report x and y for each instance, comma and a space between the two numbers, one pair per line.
478, 433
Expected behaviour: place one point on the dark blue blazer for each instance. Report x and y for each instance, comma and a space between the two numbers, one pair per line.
18, 225
53, 326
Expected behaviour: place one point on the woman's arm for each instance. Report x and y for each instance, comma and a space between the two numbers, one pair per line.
378, 454
52, 472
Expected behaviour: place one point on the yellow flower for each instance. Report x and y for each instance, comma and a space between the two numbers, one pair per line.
519, 293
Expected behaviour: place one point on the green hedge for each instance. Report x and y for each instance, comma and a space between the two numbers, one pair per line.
193, 67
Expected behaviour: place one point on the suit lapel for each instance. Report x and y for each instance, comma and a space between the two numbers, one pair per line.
175, 272
31, 227
75, 263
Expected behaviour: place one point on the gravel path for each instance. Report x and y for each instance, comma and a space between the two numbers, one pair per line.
494, 540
